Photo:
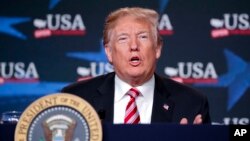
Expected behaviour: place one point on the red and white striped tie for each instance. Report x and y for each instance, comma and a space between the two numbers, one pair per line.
132, 114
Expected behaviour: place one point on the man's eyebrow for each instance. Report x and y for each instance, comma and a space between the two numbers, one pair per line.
125, 34
142, 32
121, 34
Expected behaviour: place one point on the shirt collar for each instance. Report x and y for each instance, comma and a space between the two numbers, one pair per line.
123, 87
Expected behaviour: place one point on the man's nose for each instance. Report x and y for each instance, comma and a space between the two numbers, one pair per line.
134, 46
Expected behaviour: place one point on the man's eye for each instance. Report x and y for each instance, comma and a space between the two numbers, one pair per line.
143, 36
122, 39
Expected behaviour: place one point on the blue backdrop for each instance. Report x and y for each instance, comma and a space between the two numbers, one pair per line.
47, 44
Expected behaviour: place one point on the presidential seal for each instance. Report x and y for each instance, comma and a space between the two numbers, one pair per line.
59, 117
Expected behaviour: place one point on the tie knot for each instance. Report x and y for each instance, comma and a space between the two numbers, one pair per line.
133, 93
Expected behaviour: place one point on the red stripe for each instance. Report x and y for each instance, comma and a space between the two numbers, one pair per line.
137, 120
129, 115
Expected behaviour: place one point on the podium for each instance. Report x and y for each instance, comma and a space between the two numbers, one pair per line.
165, 132
148, 132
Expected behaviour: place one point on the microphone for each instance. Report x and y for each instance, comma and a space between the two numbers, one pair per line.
102, 114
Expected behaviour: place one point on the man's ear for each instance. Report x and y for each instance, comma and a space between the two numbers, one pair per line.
158, 51
108, 51
158, 46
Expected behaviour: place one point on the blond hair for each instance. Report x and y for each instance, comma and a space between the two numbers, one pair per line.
148, 15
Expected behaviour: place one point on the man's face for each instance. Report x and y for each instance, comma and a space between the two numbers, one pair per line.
133, 50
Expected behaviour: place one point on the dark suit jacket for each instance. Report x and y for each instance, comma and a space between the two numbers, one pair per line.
179, 100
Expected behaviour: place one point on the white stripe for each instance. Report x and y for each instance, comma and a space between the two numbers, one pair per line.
129, 110
133, 118
133, 94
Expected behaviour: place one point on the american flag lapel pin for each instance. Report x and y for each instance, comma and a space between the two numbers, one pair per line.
165, 106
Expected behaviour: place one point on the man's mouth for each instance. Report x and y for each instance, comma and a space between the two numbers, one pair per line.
135, 61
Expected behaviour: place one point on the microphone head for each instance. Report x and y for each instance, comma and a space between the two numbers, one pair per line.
102, 114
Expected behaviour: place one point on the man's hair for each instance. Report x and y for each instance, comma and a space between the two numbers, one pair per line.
144, 14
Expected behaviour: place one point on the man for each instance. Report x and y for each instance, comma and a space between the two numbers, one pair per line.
133, 46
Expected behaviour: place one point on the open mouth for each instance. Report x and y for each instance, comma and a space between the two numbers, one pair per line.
135, 61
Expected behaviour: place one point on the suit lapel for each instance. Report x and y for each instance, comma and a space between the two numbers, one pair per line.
105, 99
162, 106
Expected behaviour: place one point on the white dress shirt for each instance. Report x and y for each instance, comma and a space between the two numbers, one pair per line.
144, 101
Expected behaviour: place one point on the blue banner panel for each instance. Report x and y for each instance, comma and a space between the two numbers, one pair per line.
45, 45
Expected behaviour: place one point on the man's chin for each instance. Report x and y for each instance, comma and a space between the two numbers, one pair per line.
136, 75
